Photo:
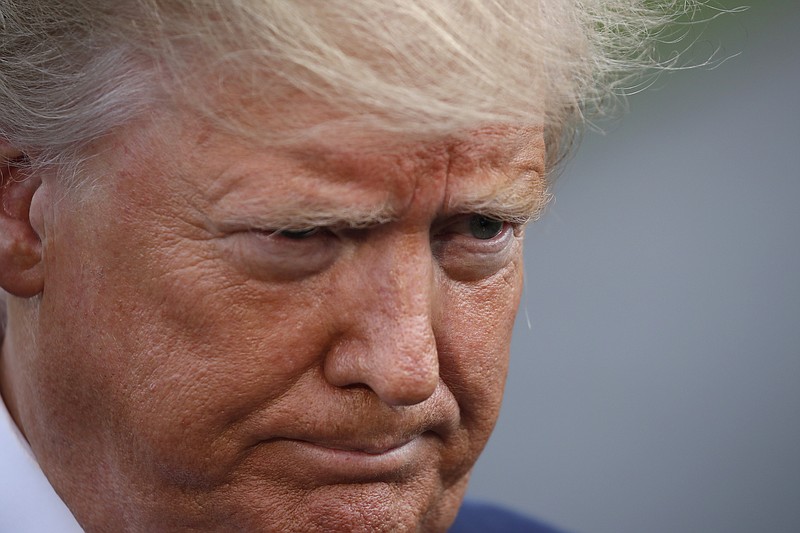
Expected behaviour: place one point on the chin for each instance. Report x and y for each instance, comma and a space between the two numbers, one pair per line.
349, 507
414, 505
380, 507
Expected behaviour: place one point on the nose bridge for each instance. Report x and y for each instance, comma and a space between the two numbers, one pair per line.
404, 277
392, 345
401, 336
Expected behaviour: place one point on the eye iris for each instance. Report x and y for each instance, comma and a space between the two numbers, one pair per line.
484, 228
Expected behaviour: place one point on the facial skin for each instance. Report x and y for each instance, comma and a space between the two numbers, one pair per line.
179, 363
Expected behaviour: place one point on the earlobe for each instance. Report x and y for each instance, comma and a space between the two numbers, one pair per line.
21, 269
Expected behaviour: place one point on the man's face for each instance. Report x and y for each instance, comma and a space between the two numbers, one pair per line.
313, 337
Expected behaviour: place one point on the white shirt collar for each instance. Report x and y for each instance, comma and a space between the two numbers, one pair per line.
28, 504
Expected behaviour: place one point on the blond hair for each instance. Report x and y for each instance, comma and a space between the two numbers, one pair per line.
71, 71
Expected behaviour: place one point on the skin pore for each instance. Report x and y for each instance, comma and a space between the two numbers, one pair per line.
233, 336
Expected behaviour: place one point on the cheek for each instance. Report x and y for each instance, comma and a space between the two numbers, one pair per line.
163, 350
474, 339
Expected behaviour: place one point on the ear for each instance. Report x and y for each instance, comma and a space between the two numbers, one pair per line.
21, 269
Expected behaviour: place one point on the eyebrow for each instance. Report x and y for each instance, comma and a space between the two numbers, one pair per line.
509, 203
297, 215
517, 198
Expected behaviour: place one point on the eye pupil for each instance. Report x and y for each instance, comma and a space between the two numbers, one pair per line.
484, 228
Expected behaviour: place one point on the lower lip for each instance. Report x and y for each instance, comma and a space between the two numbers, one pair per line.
357, 466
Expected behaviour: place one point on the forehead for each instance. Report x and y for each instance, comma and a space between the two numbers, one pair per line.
486, 147
307, 128
334, 163
498, 166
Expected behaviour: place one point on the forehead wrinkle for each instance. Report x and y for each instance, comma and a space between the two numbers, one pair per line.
399, 170
381, 162
280, 192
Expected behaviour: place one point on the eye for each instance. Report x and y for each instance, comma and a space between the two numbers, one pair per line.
474, 246
482, 227
283, 254
484, 231
298, 234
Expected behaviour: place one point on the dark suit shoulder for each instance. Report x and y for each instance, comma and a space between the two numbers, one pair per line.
479, 517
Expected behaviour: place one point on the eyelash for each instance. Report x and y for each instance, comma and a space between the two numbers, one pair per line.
478, 226
476, 223
299, 234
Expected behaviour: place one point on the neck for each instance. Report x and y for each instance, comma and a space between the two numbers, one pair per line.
6, 396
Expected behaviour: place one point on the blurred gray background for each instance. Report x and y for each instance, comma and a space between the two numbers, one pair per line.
657, 388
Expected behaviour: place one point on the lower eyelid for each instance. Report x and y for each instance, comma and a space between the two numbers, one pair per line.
474, 260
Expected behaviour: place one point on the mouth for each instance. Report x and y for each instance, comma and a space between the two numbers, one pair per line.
359, 443
367, 447
357, 462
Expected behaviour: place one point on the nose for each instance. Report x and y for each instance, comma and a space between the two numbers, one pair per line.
385, 315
